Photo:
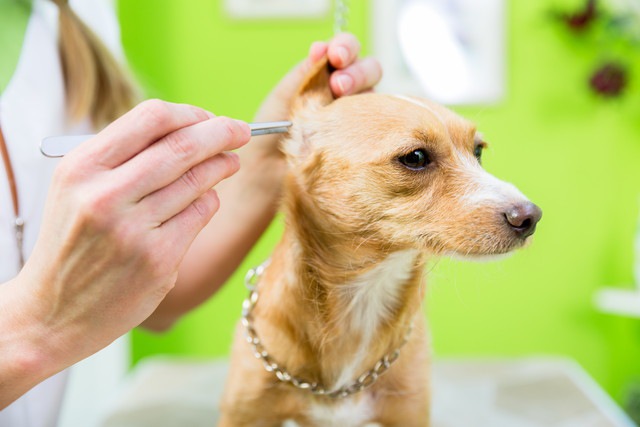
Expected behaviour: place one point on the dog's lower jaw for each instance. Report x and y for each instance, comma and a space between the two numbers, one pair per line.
478, 258
495, 248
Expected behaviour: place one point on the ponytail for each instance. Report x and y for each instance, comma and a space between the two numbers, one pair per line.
95, 85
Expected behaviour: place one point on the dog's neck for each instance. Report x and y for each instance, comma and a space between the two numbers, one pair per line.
342, 298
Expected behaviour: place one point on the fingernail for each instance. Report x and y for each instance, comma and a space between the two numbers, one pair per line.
343, 54
345, 83
317, 51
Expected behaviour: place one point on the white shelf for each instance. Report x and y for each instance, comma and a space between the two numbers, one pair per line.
624, 302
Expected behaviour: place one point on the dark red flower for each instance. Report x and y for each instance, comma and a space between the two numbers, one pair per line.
579, 21
609, 80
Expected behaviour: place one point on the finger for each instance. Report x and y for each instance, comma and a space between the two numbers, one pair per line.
182, 229
168, 159
359, 77
177, 196
317, 51
139, 128
343, 50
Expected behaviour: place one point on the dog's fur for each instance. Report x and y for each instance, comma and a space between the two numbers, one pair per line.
346, 280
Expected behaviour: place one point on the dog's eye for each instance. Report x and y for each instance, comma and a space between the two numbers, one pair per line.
477, 151
417, 159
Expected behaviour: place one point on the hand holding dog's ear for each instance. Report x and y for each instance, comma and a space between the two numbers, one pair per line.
352, 75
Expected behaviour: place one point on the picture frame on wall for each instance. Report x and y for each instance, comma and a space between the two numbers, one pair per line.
451, 51
274, 9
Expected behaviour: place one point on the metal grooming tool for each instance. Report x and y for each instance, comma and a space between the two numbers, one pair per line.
58, 146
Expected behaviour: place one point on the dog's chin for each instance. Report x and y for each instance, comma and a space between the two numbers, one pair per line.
479, 257
496, 253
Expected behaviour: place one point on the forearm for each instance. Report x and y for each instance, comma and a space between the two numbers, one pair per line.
26, 356
248, 202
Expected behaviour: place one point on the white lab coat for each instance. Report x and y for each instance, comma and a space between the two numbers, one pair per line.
31, 108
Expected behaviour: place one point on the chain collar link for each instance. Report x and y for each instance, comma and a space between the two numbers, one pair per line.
364, 381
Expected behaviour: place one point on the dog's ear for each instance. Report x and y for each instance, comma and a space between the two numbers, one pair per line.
315, 87
313, 94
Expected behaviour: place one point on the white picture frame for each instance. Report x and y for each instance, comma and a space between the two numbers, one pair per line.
275, 9
458, 49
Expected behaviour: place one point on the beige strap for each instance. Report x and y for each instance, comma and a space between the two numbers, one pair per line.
19, 222
10, 175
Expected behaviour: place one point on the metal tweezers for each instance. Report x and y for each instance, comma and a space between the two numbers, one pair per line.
58, 146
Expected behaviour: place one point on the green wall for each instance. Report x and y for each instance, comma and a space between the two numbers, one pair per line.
575, 155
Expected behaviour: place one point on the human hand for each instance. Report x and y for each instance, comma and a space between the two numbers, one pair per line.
122, 211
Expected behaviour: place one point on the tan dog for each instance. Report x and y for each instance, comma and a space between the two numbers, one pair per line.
376, 185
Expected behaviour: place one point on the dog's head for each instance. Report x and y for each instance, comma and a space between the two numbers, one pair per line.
400, 173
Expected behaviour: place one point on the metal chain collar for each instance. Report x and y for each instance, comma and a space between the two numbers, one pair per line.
340, 17
364, 381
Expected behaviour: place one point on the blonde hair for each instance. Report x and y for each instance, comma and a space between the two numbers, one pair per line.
95, 84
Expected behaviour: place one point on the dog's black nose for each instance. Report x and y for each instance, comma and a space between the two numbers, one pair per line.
523, 217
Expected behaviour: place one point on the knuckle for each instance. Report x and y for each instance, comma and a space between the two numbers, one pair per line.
126, 238
231, 164
228, 127
201, 208
352, 44
228, 161
180, 145
205, 206
65, 174
152, 252
154, 112
95, 211
74, 170
200, 114
231, 132
153, 105
159, 261
165, 287
366, 73
191, 180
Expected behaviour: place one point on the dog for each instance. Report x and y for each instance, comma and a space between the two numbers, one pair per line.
333, 333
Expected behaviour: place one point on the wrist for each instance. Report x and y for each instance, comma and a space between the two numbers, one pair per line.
28, 350
24, 360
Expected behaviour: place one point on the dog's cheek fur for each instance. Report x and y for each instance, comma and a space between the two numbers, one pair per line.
440, 212
466, 215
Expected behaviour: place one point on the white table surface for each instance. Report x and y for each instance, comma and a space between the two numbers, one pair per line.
530, 392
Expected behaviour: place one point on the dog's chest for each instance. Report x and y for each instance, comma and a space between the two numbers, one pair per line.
373, 296
372, 299
353, 412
